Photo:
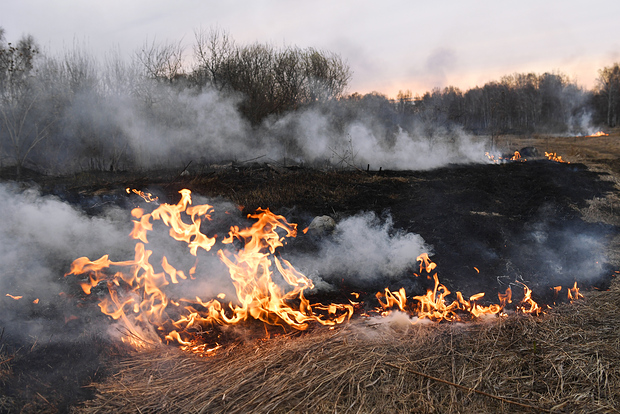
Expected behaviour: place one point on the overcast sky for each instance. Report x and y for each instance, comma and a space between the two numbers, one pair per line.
389, 44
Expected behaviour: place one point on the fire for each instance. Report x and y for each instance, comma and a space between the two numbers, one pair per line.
517, 157
597, 134
573, 293
148, 197
555, 157
137, 295
514, 157
435, 306
14, 297
139, 301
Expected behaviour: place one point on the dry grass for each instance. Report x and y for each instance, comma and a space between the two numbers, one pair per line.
5, 374
565, 361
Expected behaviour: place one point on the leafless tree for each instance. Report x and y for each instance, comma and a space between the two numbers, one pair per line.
161, 61
609, 87
21, 128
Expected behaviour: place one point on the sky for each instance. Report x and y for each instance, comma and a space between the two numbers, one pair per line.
390, 45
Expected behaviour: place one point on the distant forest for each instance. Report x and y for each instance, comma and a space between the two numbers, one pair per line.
73, 112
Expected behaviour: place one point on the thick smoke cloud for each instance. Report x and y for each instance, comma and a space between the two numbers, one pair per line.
315, 137
114, 118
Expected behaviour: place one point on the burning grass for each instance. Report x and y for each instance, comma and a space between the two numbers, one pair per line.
565, 361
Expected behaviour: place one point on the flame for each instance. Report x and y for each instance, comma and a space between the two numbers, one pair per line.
148, 197
14, 297
515, 157
597, 134
573, 293
555, 157
137, 295
139, 301
434, 305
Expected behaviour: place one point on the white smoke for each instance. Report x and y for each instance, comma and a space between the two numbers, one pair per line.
362, 250
314, 137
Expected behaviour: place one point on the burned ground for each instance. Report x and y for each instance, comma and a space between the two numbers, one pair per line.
518, 220
504, 220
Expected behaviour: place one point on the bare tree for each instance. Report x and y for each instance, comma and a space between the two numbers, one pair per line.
21, 128
609, 87
213, 51
161, 61
269, 79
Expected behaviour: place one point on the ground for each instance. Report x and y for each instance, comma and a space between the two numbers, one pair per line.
474, 217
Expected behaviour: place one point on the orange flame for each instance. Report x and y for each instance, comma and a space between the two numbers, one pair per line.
14, 297
137, 298
139, 302
555, 157
573, 293
148, 197
435, 306
597, 134
515, 157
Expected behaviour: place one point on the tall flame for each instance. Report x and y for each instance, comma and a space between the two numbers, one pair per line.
137, 296
138, 299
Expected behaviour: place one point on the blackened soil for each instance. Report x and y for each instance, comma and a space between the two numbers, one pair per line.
513, 221
488, 225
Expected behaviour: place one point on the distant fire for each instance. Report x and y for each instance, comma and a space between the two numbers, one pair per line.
514, 157
597, 134
555, 157
148, 197
138, 300
552, 156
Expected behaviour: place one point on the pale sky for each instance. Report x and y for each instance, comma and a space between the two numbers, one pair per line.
390, 45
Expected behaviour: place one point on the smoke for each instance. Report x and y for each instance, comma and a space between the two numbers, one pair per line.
438, 64
560, 255
114, 118
363, 251
363, 139
41, 236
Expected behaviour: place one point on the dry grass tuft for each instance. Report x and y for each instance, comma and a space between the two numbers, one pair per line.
566, 361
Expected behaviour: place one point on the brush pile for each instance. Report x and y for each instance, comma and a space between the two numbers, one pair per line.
565, 361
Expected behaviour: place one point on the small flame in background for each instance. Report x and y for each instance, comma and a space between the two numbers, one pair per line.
148, 197
552, 156
136, 294
555, 157
497, 160
597, 134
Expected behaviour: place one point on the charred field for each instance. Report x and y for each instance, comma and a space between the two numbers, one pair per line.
488, 226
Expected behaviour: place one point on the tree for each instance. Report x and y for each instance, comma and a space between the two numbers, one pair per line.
21, 128
608, 83
269, 80
161, 61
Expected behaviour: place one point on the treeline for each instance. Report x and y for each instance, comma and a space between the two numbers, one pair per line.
74, 112
523, 103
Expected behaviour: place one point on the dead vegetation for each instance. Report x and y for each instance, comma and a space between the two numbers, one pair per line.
565, 361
